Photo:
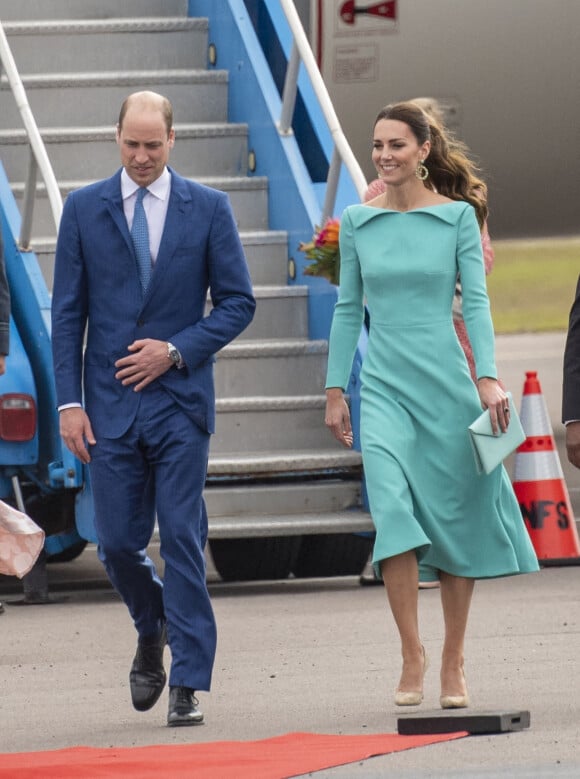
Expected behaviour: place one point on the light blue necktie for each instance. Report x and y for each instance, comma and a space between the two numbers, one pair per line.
140, 236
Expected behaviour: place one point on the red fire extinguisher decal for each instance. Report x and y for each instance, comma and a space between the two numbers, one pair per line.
385, 10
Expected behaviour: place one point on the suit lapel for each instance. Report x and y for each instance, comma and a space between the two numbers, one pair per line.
177, 211
114, 200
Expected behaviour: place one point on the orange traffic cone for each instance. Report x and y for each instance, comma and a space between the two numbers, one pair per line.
539, 484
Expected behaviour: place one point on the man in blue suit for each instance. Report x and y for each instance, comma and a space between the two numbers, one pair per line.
136, 255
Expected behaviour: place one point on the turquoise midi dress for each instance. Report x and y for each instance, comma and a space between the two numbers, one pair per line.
417, 396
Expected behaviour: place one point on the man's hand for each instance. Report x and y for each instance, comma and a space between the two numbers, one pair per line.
147, 361
76, 432
573, 443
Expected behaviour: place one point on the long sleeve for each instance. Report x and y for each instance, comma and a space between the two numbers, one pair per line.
348, 313
69, 308
233, 302
476, 310
571, 387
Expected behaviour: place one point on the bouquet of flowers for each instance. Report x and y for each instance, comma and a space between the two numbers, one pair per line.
324, 252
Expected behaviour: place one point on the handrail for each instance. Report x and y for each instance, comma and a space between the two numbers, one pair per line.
301, 50
38, 155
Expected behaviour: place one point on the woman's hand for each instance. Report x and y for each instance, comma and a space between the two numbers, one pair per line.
337, 416
494, 397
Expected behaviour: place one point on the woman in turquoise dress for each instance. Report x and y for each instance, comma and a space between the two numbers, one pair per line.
401, 253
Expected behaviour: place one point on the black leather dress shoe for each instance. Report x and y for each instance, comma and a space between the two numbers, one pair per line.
147, 677
183, 708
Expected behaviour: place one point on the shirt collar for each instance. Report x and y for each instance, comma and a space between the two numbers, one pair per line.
159, 188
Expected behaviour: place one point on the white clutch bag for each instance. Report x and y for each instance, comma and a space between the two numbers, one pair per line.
490, 450
21, 541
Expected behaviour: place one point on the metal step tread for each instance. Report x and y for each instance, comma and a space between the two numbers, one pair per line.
261, 237
244, 526
105, 78
107, 132
223, 183
269, 403
273, 348
249, 463
248, 237
90, 9
293, 489
233, 183
279, 291
131, 24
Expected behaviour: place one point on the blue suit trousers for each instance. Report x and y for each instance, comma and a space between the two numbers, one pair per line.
158, 468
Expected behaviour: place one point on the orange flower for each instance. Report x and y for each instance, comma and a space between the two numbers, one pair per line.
329, 233
324, 251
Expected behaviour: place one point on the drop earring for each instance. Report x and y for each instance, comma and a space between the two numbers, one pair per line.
422, 172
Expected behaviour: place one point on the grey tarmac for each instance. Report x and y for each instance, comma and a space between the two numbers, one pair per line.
311, 655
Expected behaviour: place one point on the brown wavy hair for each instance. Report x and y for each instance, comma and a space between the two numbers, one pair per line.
451, 172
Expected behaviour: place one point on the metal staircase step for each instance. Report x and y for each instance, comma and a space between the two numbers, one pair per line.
274, 348
267, 255
299, 463
241, 526
281, 312
266, 250
285, 498
280, 403
204, 149
272, 367
196, 95
249, 200
276, 423
110, 44
88, 9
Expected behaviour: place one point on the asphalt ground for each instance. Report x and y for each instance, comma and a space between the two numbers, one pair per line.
301, 655
310, 655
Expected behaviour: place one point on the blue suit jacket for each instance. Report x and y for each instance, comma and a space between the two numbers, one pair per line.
96, 283
571, 388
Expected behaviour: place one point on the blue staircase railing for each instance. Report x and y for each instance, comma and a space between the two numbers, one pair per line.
296, 179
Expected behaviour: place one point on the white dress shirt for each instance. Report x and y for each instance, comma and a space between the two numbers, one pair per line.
155, 204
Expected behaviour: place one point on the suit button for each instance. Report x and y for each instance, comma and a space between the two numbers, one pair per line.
140, 323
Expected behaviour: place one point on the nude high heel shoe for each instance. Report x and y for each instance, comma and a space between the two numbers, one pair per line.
454, 701
413, 697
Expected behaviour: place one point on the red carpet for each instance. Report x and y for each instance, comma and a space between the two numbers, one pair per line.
271, 758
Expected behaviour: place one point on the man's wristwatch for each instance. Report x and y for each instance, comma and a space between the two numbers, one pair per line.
173, 354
